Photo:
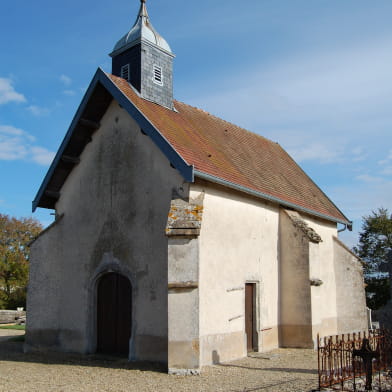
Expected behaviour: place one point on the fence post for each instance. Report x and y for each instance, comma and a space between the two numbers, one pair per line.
341, 361
318, 360
352, 362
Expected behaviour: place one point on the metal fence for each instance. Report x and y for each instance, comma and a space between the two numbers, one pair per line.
338, 368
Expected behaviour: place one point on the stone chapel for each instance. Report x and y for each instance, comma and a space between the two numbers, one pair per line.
180, 237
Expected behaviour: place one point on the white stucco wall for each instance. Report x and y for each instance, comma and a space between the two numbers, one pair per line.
115, 205
321, 266
238, 244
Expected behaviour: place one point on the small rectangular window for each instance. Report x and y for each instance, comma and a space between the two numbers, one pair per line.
125, 72
158, 78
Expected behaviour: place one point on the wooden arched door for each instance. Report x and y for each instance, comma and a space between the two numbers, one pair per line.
114, 314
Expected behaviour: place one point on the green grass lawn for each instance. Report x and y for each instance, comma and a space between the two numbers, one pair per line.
20, 327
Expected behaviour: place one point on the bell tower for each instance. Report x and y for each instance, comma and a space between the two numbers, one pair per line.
145, 59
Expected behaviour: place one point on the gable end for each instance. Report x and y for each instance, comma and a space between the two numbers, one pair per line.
86, 121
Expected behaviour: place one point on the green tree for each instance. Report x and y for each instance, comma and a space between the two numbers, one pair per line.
15, 234
374, 248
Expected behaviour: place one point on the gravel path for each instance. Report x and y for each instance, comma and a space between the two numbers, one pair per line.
288, 370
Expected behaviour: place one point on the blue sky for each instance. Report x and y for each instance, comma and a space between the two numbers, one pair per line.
314, 76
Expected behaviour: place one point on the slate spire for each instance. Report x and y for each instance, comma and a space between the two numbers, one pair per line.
144, 58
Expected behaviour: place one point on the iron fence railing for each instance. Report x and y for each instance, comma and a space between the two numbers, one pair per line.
337, 364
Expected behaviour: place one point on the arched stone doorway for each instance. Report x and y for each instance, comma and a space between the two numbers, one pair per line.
114, 314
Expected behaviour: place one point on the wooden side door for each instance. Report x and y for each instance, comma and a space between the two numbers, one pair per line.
114, 314
249, 315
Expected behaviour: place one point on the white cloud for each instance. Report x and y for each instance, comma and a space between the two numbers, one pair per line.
16, 144
387, 170
370, 179
386, 164
41, 155
313, 84
387, 159
38, 111
8, 93
12, 131
12, 143
69, 92
65, 79
358, 154
368, 192
316, 151
326, 150
308, 145
357, 76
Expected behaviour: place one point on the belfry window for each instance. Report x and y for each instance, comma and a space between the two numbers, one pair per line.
125, 72
158, 78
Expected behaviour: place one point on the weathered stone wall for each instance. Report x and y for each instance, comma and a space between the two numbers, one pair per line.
10, 316
350, 290
115, 205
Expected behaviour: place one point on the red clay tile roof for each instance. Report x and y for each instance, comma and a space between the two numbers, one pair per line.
230, 153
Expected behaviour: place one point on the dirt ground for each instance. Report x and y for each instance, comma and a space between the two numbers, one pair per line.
283, 370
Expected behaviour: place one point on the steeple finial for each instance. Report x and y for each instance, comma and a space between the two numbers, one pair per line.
143, 10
